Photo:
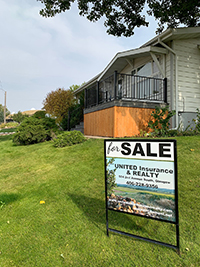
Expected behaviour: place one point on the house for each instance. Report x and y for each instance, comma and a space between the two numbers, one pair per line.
27, 112
164, 71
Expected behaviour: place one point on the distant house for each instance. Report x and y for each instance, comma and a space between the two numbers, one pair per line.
27, 112
30, 112
165, 70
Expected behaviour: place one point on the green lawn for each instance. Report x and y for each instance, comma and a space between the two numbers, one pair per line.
7, 130
69, 229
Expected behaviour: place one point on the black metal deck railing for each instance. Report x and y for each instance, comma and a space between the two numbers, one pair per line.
126, 87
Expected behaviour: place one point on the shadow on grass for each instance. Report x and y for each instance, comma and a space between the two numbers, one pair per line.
8, 198
95, 210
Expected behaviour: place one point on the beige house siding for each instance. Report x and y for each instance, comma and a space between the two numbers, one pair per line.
188, 74
169, 79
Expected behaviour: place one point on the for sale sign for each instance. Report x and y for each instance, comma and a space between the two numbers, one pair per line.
141, 178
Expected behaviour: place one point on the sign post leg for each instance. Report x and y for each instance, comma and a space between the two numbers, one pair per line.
177, 239
107, 222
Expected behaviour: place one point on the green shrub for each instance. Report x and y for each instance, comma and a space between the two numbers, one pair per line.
19, 117
160, 123
172, 133
39, 114
69, 139
197, 121
31, 134
49, 125
33, 130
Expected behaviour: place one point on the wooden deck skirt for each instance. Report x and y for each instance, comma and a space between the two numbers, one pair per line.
117, 121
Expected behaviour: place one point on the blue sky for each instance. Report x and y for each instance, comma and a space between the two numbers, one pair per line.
39, 55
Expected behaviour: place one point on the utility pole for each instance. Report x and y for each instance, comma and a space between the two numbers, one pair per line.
4, 103
5, 107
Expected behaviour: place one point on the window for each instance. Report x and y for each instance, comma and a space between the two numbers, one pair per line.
142, 87
145, 70
149, 69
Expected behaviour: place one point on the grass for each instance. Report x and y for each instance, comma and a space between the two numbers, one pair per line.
69, 229
7, 130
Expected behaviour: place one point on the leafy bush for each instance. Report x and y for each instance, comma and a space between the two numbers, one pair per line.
172, 133
197, 121
33, 130
39, 114
69, 139
160, 122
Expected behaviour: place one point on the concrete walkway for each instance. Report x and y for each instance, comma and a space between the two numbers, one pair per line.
97, 137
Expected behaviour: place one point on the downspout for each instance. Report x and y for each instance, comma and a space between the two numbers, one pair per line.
176, 78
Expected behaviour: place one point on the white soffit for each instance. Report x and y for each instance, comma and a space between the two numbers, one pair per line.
120, 59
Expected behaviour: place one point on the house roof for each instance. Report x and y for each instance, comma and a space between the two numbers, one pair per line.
175, 34
120, 60
30, 112
27, 112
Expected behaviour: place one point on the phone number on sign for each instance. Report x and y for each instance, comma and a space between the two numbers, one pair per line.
142, 184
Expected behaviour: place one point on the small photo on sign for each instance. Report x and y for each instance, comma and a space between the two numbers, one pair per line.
143, 181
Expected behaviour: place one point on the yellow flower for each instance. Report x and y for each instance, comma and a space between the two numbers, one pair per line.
42, 202
191, 149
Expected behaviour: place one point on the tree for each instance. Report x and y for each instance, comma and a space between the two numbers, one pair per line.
74, 87
122, 16
57, 103
175, 12
76, 110
2, 113
1, 116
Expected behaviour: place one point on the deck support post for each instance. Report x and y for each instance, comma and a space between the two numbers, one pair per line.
97, 93
115, 84
165, 89
85, 99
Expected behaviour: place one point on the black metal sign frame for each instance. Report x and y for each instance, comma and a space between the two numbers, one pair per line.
114, 148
